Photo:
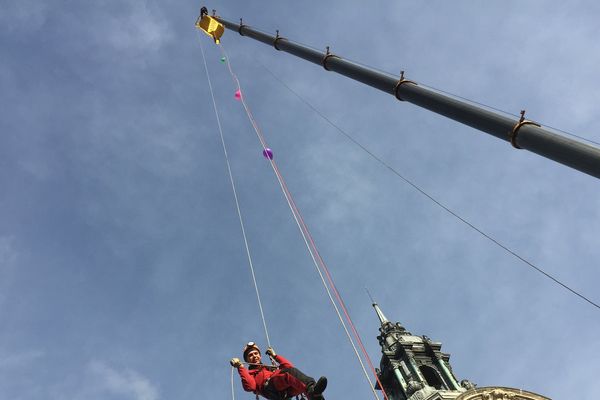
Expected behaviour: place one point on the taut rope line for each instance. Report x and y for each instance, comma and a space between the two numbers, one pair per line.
237, 203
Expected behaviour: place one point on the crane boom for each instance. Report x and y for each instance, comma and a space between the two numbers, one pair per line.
521, 133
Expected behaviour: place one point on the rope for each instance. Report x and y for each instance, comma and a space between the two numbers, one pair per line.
237, 203
232, 386
310, 244
433, 199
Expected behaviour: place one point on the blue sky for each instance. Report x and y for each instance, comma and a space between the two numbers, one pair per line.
122, 268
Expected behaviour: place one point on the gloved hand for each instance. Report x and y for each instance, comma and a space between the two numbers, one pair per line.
270, 351
235, 362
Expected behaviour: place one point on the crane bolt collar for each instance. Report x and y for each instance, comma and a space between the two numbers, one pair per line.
277, 38
512, 136
328, 54
240, 28
400, 82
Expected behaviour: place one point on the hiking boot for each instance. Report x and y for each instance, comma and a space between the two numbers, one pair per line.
318, 387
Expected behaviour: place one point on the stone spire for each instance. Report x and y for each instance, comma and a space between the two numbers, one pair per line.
414, 368
380, 315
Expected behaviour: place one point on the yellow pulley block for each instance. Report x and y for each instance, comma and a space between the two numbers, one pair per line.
211, 27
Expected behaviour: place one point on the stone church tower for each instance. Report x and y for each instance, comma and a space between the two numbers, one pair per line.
414, 368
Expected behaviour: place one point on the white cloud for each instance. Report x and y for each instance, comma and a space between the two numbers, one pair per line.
138, 28
7, 253
8, 258
10, 361
128, 382
25, 15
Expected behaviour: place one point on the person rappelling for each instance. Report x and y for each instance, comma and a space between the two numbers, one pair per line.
279, 382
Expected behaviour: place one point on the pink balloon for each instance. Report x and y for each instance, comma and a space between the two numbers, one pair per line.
238, 95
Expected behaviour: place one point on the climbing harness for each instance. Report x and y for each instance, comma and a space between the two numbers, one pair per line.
262, 365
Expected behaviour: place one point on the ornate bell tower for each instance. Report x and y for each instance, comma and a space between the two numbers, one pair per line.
414, 368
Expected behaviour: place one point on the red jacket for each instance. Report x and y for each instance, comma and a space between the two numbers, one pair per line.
254, 379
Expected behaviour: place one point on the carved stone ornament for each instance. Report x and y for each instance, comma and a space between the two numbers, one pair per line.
414, 386
467, 384
500, 393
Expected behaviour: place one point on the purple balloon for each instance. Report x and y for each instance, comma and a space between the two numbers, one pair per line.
268, 153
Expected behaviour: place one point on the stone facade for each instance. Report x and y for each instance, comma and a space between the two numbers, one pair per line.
500, 393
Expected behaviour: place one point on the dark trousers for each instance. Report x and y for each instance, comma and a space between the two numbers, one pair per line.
288, 383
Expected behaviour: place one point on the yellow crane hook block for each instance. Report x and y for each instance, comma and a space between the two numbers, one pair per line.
211, 27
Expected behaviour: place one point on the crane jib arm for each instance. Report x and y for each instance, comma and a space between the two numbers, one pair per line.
521, 133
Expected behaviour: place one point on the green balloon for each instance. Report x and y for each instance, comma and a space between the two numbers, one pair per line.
222, 59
